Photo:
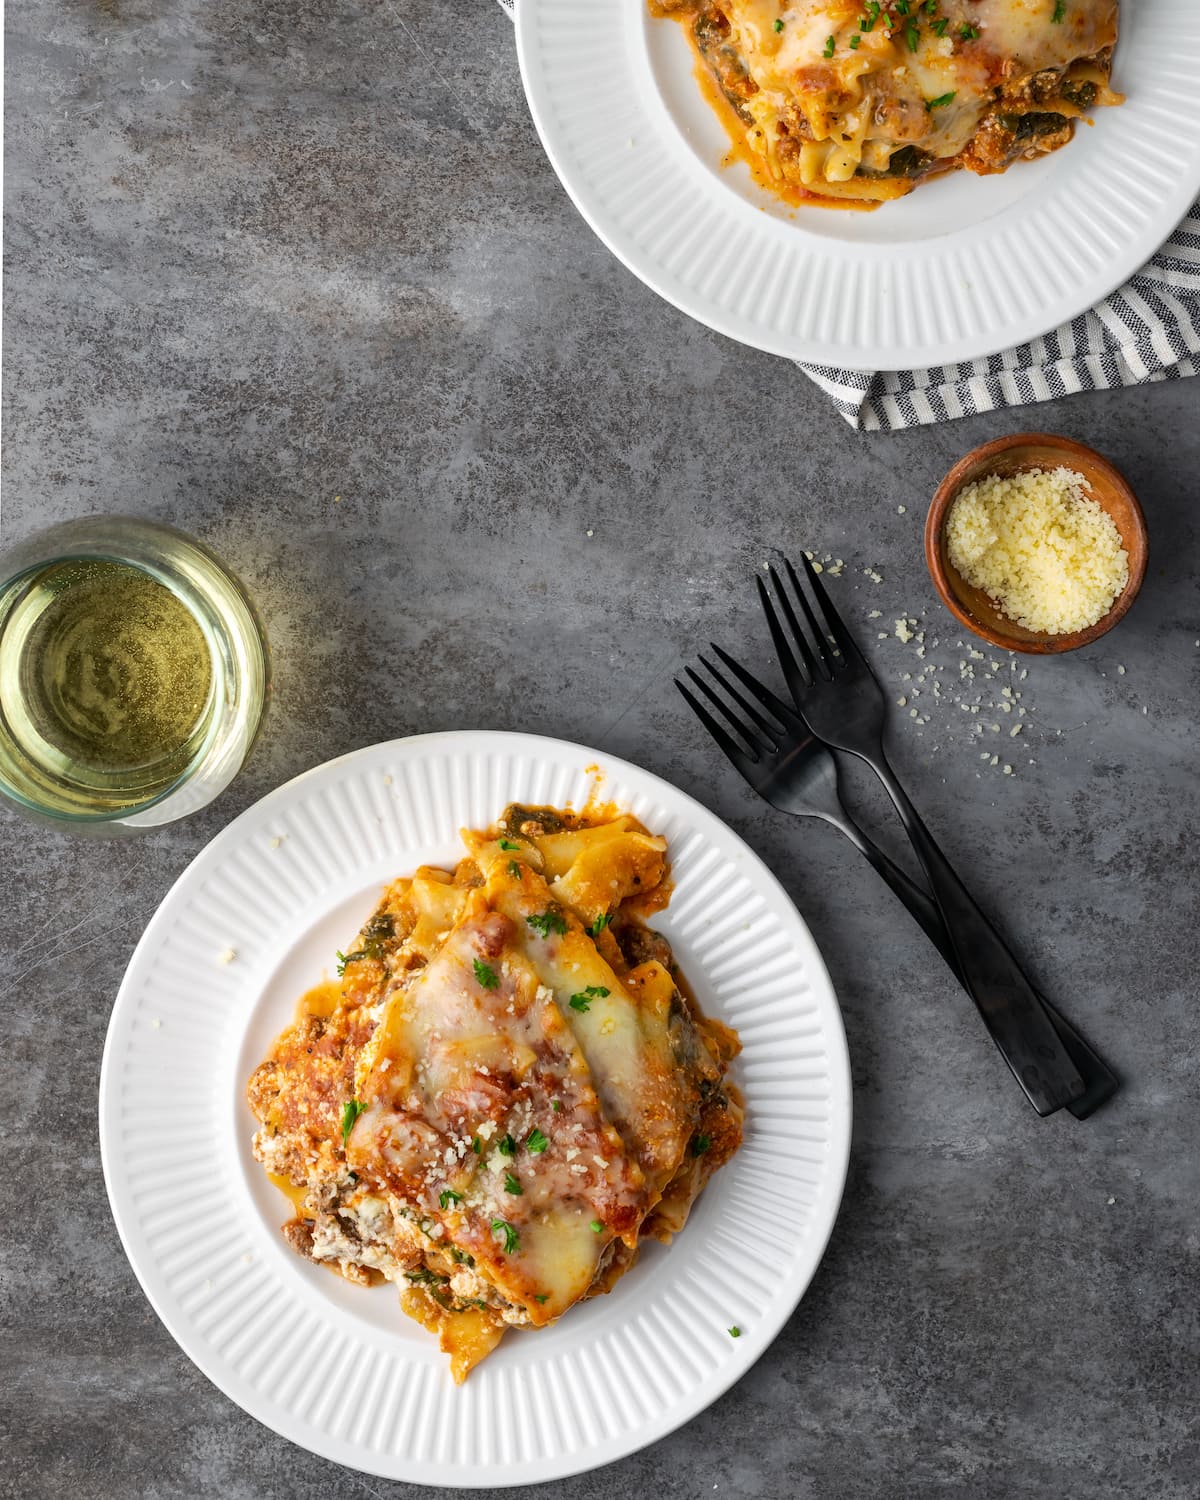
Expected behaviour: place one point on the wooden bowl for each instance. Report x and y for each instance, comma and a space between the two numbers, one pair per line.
1013, 455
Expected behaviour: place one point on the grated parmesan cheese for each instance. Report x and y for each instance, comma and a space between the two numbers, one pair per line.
1040, 547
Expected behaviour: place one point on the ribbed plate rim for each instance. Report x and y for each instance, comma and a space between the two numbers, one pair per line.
870, 274
193, 882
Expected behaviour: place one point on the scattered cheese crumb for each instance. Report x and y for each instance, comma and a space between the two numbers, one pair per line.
900, 509
1040, 546
874, 614
227, 955
901, 702
903, 633
277, 840
156, 1024
1007, 770
1120, 671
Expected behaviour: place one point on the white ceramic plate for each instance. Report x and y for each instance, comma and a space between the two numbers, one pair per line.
340, 1369
960, 268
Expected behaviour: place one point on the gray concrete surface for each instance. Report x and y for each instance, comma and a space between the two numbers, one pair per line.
298, 278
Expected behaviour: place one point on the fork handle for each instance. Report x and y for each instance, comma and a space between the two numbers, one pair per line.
1099, 1079
1012, 1011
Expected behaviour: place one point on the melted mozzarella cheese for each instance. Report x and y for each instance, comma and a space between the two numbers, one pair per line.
469, 1060
839, 85
629, 1045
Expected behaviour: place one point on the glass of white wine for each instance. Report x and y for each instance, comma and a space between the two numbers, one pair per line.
133, 675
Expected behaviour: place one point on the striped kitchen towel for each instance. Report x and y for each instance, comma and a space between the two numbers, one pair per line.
1148, 330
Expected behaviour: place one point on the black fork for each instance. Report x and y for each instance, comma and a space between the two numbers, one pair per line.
777, 754
839, 700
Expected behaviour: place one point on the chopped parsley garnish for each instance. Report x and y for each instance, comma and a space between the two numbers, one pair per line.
426, 1277
514, 868
599, 925
701, 1144
350, 1112
548, 921
830, 44
541, 1296
930, 7
556, 1106
477, 1147
942, 99
968, 32
867, 21
939, 27
583, 1000
597, 1227
507, 1147
507, 844
342, 961
449, 1196
485, 975
901, 7
778, 24
854, 43
511, 1185
460, 1256
913, 32
535, 1141
735, 1332
503, 1230
1060, 12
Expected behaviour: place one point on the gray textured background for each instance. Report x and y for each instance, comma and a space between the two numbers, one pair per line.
264, 255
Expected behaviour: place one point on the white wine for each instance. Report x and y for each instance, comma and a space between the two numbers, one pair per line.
132, 677
105, 679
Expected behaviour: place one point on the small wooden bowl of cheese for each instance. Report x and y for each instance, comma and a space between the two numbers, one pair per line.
1036, 543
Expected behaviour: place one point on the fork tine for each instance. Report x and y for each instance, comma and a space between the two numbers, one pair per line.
756, 745
773, 732
740, 759
815, 636
798, 676
845, 641
786, 716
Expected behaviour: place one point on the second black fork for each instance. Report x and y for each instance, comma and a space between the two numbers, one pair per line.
779, 757
836, 694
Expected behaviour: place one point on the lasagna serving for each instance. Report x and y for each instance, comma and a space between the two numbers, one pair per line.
856, 100
509, 1086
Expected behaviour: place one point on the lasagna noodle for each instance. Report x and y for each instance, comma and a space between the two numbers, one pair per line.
853, 101
509, 1088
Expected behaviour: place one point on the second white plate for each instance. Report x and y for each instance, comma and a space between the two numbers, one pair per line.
252, 924
961, 268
